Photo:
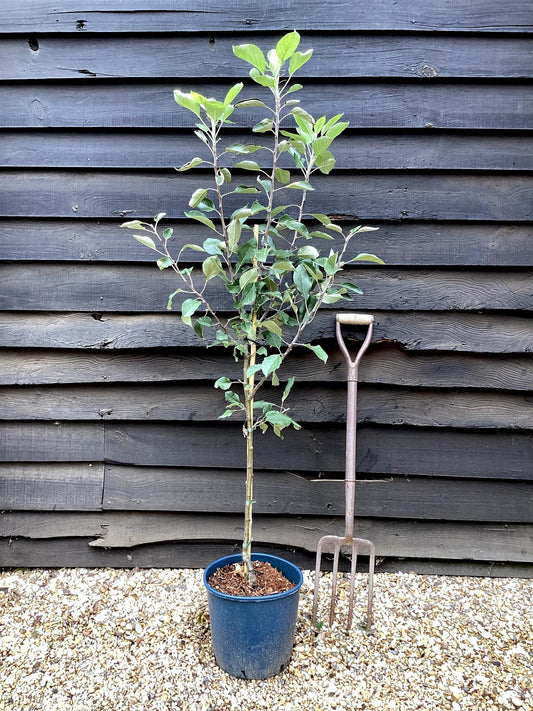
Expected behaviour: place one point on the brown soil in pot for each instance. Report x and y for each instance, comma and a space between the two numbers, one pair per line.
232, 580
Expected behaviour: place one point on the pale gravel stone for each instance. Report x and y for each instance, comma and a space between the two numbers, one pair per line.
100, 640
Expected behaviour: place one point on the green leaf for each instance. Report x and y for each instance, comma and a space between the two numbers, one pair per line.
187, 101
263, 126
287, 45
199, 217
324, 219
308, 251
318, 351
188, 308
133, 225
247, 189
249, 277
301, 185
351, 287
252, 54
278, 418
233, 92
171, 298
325, 162
364, 257
213, 246
227, 175
223, 383
361, 229
197, 197
241, 148
147, 241
211, 267
321, 235
191, 164
294, 87
302, 280
270, 364
273, 326
282, 176
165, 262
248, 103
298, 60
322, 144
247, 165
167, 234
234, 233
337, 129
262, 79
288, 388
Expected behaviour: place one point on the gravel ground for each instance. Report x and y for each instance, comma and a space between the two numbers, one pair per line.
139, 640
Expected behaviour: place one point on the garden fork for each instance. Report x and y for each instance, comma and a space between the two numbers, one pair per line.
338, 542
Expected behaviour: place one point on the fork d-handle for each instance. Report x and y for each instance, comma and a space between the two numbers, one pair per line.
351, 319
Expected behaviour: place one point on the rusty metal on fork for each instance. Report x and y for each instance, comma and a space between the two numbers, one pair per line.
338, 542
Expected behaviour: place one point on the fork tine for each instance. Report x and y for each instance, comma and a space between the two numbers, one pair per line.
352, 584
333, 601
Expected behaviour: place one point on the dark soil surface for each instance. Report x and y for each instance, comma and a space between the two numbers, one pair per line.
232, 580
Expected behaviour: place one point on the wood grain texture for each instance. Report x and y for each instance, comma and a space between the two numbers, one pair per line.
421, 331
361, 197
202, 403
392, 105
427, 149
140, 288
61, 487
145, 488
406, 243
248, 16
349, 55
113, 530
382, 450
387, 365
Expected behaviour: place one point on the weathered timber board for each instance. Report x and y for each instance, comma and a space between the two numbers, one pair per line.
113, 530
61, 487
387, 365
201, 403
74, 552
360, 197
399, 243
101, 287
393, 105
250, 17
422, 331
160, 489
354, 150
350, 55
316, 448
51, 441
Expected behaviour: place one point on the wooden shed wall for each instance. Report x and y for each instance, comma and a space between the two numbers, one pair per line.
111, 450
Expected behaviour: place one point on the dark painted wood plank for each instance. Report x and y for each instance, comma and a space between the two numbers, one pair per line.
248, 16
410, 104
421, 331
423, 539
51, 441
144, 489
350, 55
57, 487
422, 150
202, 403
385, 365
103, 288
361, 197
400, 243
316, 448
74, 552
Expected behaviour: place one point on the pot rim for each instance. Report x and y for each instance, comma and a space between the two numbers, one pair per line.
233, 558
